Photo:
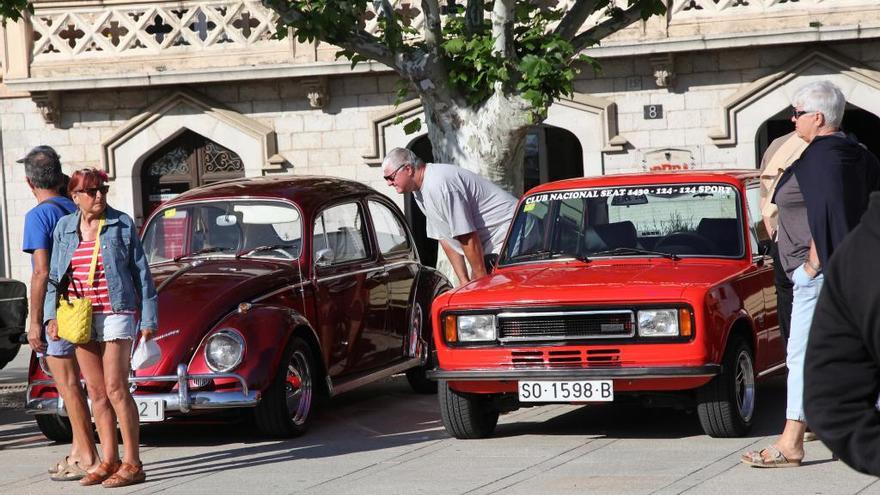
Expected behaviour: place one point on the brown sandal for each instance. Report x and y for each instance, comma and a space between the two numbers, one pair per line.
128, 474
104, 471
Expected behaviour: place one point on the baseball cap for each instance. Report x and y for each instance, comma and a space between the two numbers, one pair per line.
42, 149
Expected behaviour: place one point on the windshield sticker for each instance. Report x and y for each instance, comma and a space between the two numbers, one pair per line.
529, 207
169, 213
611, 192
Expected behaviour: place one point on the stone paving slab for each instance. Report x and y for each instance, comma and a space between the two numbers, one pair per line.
384, 439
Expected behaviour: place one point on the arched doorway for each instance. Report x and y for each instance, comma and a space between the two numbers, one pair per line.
187, 161
865, 125
551, 153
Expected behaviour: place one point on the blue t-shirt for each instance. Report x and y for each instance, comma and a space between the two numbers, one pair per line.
39, 223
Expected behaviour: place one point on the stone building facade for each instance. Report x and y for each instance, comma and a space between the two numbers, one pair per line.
169, 95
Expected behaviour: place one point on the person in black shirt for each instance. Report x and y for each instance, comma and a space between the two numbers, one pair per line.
842, 372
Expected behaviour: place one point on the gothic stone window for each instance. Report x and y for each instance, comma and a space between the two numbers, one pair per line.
187, 161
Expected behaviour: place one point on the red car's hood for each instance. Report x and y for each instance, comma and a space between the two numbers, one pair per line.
194, 296
600, 281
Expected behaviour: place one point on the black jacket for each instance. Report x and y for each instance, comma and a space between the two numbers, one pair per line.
842, 364
835, 175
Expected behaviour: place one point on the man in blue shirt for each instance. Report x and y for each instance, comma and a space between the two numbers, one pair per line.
44, 177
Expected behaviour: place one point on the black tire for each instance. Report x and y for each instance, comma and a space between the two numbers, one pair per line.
287, 406
466, 416
726, 405
7, 355
419, 381
55, 427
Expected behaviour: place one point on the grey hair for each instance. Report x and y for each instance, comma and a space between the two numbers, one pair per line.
399, 156
42, 167
824, 97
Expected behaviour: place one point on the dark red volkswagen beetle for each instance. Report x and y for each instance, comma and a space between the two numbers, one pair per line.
271, 292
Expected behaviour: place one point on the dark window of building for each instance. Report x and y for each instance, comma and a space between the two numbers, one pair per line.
187, 161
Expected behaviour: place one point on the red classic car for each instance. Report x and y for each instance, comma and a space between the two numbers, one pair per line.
273, 291
617, 287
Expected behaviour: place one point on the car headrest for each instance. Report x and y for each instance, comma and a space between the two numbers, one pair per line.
724, 232
618, 234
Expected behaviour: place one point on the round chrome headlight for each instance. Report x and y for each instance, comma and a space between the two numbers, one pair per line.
224, 350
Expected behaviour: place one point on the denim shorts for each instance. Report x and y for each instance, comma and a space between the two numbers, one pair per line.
113, 326
56, 348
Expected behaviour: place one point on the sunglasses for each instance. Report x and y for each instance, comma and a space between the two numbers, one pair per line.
796, 114
390, 178
93, 191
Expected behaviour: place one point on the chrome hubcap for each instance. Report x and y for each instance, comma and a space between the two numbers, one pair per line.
298, 388
745, 386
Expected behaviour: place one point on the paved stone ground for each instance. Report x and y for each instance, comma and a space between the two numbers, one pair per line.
384, 439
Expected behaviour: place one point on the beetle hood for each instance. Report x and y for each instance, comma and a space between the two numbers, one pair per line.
194, 296
600, 282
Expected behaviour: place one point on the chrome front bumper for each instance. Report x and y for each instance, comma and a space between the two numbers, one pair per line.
183, 401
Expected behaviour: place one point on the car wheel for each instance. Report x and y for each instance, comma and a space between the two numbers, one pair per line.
419, 381
7, 355
466, 416
287, 405
55, 427
726, 405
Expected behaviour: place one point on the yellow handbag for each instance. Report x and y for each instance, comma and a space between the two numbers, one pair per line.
75, 317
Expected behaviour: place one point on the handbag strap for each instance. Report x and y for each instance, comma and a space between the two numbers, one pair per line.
94, 264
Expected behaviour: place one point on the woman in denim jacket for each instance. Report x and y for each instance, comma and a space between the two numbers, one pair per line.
122, 289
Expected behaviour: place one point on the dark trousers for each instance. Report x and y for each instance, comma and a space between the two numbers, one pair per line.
784, 293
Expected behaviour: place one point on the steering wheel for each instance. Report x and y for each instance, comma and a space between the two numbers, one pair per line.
685, 242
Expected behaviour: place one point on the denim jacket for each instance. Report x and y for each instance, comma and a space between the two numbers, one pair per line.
125, 266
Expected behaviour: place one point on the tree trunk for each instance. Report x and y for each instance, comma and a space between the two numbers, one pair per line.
488, 140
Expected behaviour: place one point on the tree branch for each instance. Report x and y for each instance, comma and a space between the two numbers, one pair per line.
364, 43
611, 25
502, 28
473, 16
433, 34
575, 18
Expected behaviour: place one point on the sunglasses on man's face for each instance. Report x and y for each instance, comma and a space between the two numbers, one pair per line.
93, 191
393, 175
796, 114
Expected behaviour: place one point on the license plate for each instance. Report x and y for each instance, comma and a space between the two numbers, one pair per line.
150, 410
567, 391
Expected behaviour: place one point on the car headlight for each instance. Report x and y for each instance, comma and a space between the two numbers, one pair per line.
224, 350
474, 328
658, 323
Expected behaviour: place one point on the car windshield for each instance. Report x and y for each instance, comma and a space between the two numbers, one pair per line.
225, 228
670, 220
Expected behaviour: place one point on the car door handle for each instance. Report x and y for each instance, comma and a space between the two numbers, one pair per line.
378, 276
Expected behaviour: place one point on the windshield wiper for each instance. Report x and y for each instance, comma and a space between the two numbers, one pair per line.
634, 250
266, 247
202, 251
548, 254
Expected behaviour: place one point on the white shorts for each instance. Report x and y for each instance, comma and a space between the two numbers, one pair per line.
113, 326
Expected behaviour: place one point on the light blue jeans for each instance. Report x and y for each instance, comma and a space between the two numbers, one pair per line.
806, 293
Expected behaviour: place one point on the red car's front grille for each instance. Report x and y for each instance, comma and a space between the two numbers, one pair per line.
565, 325
575, 357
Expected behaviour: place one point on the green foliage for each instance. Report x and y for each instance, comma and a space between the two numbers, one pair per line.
13, 9
543, 66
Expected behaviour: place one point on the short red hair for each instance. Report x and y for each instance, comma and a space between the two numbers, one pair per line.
86, 178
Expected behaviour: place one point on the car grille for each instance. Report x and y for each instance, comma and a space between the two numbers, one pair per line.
565, 325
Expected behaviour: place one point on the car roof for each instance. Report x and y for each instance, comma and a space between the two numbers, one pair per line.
644, 178
307, 191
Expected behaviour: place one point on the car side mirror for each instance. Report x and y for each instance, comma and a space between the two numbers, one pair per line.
324, 257
765, 247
